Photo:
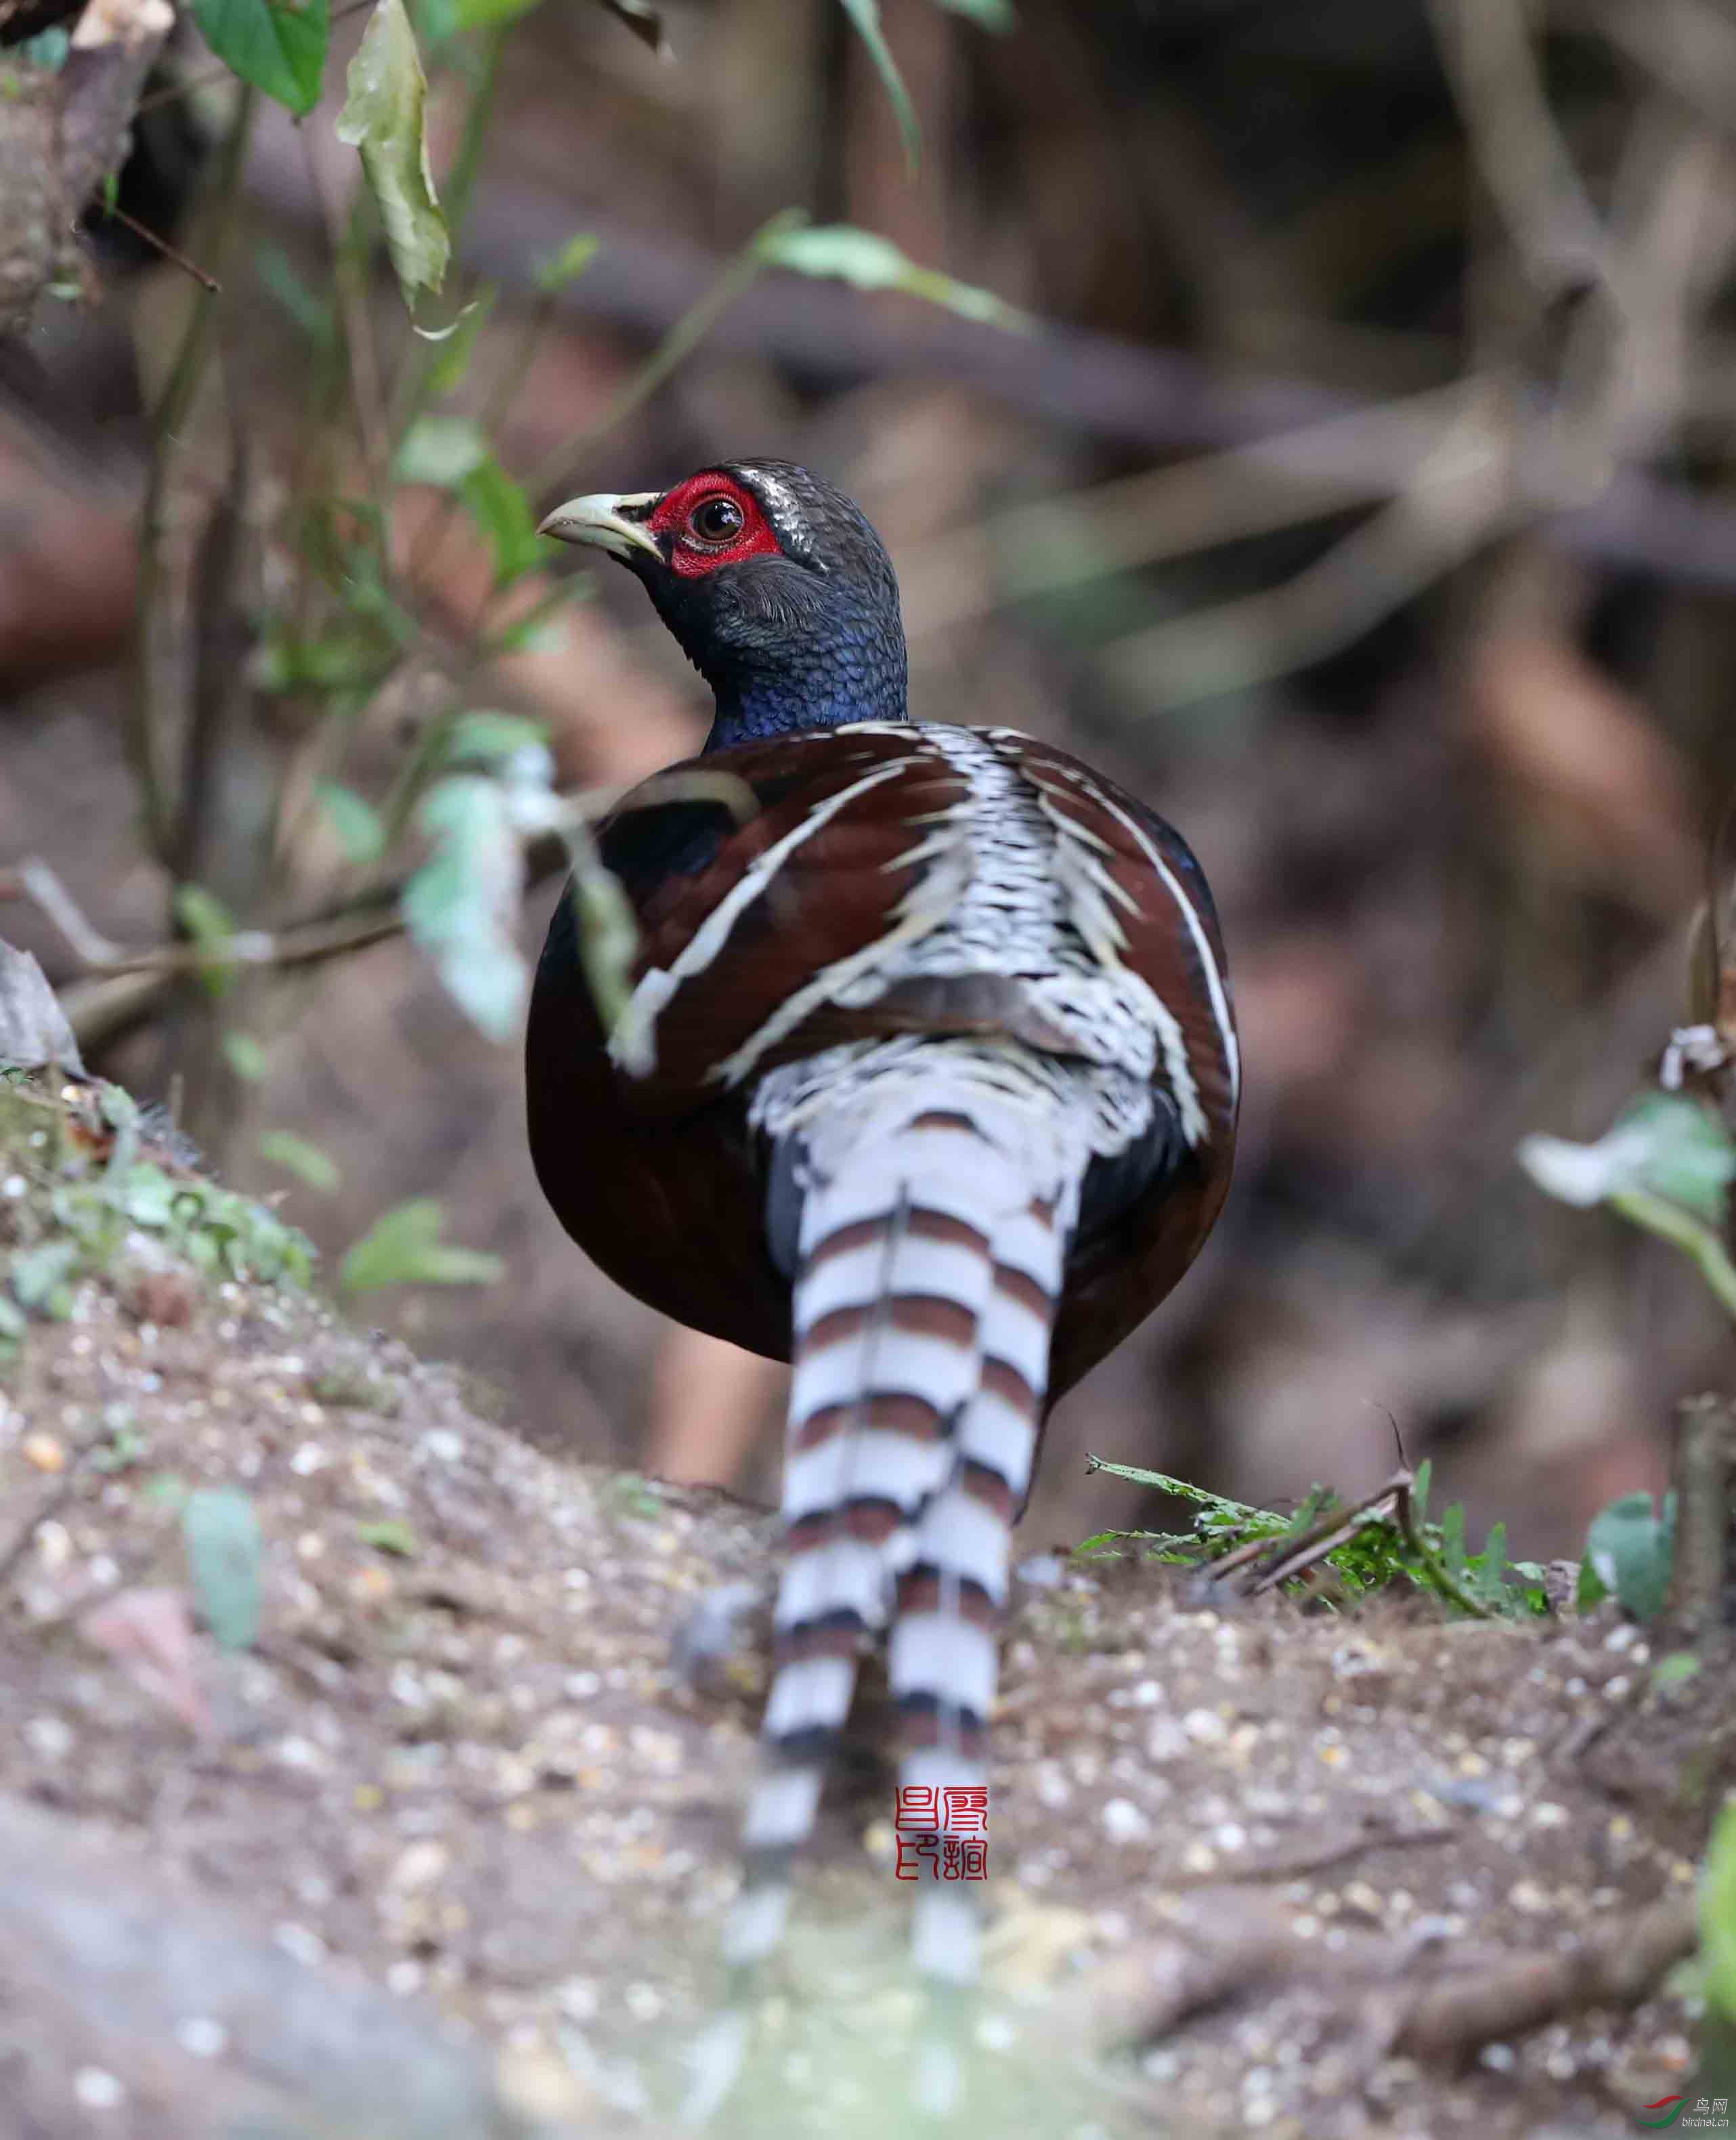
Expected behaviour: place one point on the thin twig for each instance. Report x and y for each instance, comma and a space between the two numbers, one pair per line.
34, 880
1493, 68
1684, 1231
349, 243
1404, 1514
1460, 498
148, 722
326, 936
738, 274
169, 252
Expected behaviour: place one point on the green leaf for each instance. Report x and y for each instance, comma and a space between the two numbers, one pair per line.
39, 1273
484, 14
296, 1157
209, 924
440, 450
436, 20
566, 265
147, 1196
277, 271
502, 512
383, 117
865, 15
485, 738
356, 822
279, 45
390, 1535
1717, 1915
996, 15
405, 1247
245, 1056
838, 251
462, 905
226, 1553
1665, 1143
48, 49
1629, 1550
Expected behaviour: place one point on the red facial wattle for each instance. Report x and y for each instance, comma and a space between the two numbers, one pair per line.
680, 523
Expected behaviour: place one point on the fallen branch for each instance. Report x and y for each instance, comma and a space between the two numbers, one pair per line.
1621, 1965
1233, 1946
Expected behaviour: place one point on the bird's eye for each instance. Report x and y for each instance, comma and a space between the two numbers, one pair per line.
715, 520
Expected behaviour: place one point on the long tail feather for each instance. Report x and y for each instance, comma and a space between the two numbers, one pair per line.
934, 1225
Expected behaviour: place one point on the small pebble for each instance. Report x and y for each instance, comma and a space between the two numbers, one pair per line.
47, 1454
97, 2090
50, 1736
201, 2037
1124, 1822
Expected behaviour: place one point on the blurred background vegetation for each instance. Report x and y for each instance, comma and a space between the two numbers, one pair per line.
1342, 459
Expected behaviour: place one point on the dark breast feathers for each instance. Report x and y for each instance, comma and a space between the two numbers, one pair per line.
848, 887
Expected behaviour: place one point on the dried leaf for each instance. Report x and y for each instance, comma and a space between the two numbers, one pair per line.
383, 116
149, 1633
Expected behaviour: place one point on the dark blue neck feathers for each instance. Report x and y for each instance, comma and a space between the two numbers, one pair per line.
855, 671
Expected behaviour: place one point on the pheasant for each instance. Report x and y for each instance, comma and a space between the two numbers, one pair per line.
927, 1082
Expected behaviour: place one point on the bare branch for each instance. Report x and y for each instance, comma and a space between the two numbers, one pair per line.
1461, 498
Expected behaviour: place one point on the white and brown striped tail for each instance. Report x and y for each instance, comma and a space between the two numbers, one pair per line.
930, 1268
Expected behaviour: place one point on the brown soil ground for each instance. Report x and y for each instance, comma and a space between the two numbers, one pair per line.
448, 1856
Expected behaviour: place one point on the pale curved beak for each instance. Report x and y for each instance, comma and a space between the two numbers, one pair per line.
607, 522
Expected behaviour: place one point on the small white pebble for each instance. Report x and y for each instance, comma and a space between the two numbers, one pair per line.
14, 1185
1124, 1822
97, 2090
1498, 2058
307, 1460
201, 2037
1230, 1835
1205, 1727
1549, 1815
50, 1736
443, 1444
1615, 1688
300, 1942
1620, 1639
576, 1999
643, 2001
996, 2033
404, 1978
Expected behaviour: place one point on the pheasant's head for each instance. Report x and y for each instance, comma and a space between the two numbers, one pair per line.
779, 591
